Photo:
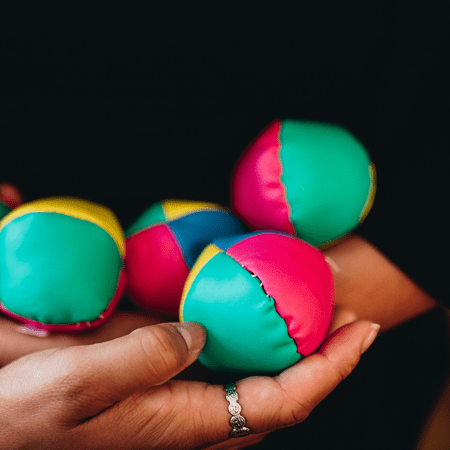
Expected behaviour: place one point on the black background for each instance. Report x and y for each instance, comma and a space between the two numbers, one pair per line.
126, 104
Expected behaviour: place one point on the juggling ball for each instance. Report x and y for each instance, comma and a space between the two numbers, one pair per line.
61, 264
265, 299
310, 179
163, 244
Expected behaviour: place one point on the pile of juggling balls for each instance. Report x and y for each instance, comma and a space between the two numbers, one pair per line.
252, 274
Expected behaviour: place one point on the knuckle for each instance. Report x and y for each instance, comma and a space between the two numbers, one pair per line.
72, 375
298, 412
73, 385
291, 410
340, 368
345, 367
163, 348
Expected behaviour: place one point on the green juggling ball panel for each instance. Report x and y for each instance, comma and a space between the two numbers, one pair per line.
237, 340
326, 184
47, 276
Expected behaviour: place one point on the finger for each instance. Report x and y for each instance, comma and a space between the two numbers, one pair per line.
119, 324
236, 444
10, 195
340, 318
161, 415
335, 360
273, 403
16, 342
111, 371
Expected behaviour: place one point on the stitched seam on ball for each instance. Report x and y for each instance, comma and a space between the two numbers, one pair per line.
370, 195
118, 244
187, 213
178, 246
145, 228
84, 323
194, 211
289, 218
167, 221
261, 285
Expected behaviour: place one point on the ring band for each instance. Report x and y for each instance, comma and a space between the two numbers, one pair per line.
237, 421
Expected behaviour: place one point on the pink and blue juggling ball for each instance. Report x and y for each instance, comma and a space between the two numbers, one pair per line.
265, 298
163, 244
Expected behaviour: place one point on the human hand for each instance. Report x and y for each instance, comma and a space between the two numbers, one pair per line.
120, 394
373, 287
18, 340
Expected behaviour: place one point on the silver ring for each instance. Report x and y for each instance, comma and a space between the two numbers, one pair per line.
237, 421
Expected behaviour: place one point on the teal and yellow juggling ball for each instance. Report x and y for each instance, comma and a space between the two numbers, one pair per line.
310, 179
61, 264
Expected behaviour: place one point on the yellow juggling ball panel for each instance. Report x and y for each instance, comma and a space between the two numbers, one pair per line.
74, 207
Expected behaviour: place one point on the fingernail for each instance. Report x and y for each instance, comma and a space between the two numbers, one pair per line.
194, 335
370, 337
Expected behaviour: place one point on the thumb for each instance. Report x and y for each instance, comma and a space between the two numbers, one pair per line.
111, 371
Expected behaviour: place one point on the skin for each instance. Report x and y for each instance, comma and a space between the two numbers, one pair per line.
128, 384
122, 393
373, 287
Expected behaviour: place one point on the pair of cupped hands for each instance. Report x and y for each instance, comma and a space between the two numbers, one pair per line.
134, 383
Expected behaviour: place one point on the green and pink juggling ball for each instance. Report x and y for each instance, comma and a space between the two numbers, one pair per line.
310, 179
265, 299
